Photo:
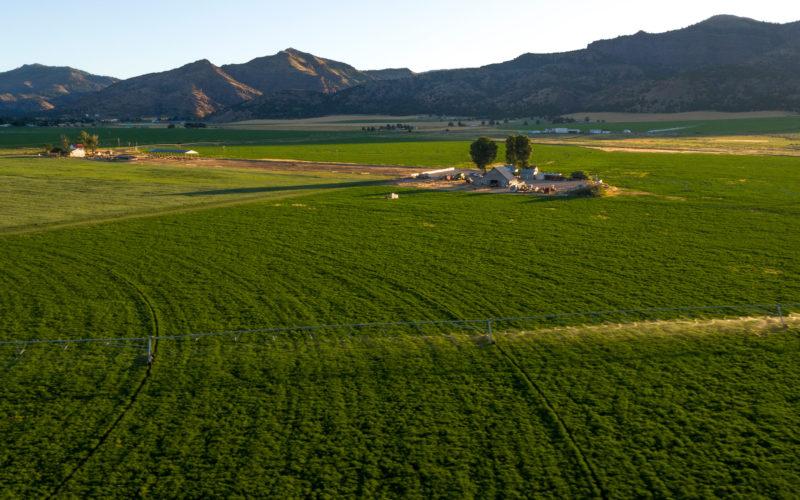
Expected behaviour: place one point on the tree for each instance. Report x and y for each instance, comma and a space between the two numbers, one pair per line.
48, 148
522, 151
90, 141
511, 150
65, 144
518, 150
483, 152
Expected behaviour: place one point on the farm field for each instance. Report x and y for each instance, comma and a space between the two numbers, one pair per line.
688, 127
411, 153
686, 230
621, 412
772, 144
701, 410
40, 192
749, 134
682, 116
32, 138
456, 153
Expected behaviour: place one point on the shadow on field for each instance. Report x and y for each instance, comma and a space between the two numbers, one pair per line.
273, 189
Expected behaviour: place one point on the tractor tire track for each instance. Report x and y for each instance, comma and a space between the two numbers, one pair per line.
134, 395
560, 426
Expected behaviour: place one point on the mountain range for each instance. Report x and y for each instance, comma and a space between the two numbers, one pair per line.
725, 63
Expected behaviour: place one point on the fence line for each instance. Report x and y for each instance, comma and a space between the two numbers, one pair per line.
487, 321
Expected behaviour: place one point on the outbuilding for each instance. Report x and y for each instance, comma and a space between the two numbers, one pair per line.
501, 176
528, 174
173, 152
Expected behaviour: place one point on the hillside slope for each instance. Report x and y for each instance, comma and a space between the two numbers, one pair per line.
191, 91
36, 87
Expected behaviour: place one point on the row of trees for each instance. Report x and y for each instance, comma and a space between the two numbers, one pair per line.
518, 151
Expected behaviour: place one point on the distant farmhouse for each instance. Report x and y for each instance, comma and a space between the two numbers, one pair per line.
77, 151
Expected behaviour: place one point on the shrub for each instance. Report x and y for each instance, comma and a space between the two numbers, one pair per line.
592, 190
579, 175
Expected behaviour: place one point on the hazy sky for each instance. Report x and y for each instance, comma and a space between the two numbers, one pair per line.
125, 39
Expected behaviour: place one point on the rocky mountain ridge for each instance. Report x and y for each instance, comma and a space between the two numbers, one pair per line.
724, 63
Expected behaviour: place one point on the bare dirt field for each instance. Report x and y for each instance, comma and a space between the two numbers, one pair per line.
389, 171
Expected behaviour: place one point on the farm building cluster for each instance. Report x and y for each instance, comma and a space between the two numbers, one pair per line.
529, 179
505, 178
565, 130
78, 150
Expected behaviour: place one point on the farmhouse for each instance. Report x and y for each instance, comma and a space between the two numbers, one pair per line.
502, 176
77, 151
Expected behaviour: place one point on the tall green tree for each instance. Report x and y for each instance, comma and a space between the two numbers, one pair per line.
518, 150
64, 143
511, 150
90, 141
522, 151
483, 152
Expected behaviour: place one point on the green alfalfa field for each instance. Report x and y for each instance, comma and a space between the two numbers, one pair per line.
697, 410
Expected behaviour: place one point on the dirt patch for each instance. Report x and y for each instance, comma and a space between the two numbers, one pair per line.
654, 150
615, 191
276, 165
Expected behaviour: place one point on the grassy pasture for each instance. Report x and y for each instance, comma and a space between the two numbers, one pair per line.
39, 192
693, 412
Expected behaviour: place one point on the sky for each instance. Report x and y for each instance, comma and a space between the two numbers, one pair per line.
125, 39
